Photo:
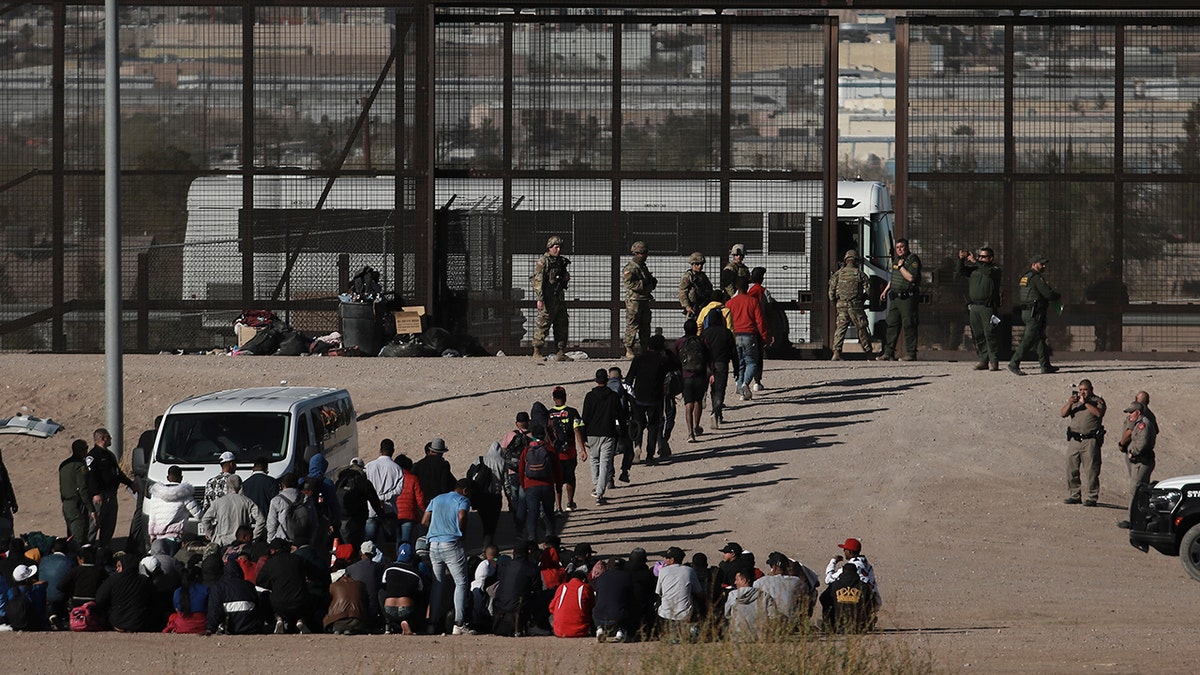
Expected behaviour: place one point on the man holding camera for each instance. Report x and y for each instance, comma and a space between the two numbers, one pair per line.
1085, 435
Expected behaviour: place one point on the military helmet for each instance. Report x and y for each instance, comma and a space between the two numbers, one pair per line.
554, 241
852, 254
696, 258
638, 247
738, 249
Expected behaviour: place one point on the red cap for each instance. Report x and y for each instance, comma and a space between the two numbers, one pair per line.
852, 545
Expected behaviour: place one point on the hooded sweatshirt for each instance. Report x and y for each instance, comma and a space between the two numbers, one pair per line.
168, 508
327, 505
749, 612
234, 602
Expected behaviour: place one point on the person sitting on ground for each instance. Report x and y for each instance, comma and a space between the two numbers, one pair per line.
52, 568
794, 596
82, 581
232, 601
571, 608
25, 602
165, 584
678, 590
846, 603
482, 580
518, 581
733, 558
190, 601
169, 505
368, 570
348, 607
126, 598
286, 576
642, 599
748, 610
403, 594
852, 552
613, 613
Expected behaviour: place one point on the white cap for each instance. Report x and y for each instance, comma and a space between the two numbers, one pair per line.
227, 456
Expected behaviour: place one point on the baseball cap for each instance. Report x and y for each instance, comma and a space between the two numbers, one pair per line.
1040, 258
404, 552
777, 559
852, 545
370, 549
732, 547
1135, 406
227, 456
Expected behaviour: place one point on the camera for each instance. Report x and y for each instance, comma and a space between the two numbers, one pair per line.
1075, 392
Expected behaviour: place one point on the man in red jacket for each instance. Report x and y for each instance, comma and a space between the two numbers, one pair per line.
571, 608
749, 333
540, 472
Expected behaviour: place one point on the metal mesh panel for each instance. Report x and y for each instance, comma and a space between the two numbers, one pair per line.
563, 93
670, 99
1064, 99
956, 110
470, 101
1161, 98
777, 97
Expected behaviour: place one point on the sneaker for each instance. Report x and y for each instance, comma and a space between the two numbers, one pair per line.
405, 629
837, 356
757, 386
697, 431
747, 393
620, 636
1015, 370
716, 422
463, 630
280, 627
624, 477
595, 493
1072, 500
600, 635
302, 627
570, 507
601, 501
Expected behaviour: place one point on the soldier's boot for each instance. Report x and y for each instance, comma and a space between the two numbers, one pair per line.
562, 355
837, 355
628, 353
537, 353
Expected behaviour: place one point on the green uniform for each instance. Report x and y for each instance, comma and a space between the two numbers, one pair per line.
639, 285
72, 490
1035, 296
849, 287
730, 273
905, 295
549, 280
983, 298
695, 291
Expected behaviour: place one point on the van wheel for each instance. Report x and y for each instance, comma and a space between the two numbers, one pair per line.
1189, 552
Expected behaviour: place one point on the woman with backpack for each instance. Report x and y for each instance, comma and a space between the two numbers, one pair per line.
696, 360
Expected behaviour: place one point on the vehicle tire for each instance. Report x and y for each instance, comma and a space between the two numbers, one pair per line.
1189, 552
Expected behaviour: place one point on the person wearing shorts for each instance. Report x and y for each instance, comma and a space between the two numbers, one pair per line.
697, 362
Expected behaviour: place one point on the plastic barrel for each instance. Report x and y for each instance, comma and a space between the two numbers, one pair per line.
360, 327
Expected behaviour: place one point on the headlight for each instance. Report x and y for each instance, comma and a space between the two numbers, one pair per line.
1164, 500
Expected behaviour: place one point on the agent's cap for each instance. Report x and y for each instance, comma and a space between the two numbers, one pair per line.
1136, 406
1040, 258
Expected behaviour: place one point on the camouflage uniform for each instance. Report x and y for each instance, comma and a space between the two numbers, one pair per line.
695, 288
848, 290
639, 284
549, 280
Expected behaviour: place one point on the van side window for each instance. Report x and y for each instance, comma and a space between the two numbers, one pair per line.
304, 438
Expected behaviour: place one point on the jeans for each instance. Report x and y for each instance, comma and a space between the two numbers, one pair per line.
448, 557
601, 459
408, 532
381, 529
538, 497
747, 352
719, 384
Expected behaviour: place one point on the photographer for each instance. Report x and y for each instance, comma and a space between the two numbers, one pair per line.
1085, 435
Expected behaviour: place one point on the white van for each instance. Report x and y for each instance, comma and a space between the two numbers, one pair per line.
273, 423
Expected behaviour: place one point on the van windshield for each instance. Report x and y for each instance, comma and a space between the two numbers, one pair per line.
200, 438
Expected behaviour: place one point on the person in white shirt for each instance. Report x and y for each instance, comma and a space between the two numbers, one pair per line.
386, 477
852, 552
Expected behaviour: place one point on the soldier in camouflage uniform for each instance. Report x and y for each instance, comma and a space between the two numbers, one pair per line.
695, 289
983, 295
1035, 296
639, 284
549, 280
734, 270
848, 290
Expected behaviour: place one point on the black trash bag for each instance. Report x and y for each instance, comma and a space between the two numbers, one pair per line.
408, 348
266, 342
292, 343
438, 339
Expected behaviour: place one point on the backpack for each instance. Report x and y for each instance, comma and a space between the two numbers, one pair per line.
558, 433
512, 452
86, 618
691, 354
19, 609
297, 520
349, 495
537, 462
483, 479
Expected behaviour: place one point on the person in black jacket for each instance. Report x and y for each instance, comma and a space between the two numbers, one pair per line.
646, 375
103, 478
232, 601
720, 343
127, 598
286, 576
433, 472
519, 582
643, 618
82, 581
614, 614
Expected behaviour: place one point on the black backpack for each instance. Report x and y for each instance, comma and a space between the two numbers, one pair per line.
512, 452
537, 462
350, 495
483, 479
691, 354
298, 518
20, 610
559, 431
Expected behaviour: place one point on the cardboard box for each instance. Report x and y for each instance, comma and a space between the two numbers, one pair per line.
410, 320
245, 333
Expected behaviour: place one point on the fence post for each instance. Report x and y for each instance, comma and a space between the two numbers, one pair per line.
343, 273
143, 302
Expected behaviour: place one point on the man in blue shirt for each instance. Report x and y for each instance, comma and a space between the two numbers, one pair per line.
445, 519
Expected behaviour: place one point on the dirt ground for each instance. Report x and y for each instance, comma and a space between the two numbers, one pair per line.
953, 479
